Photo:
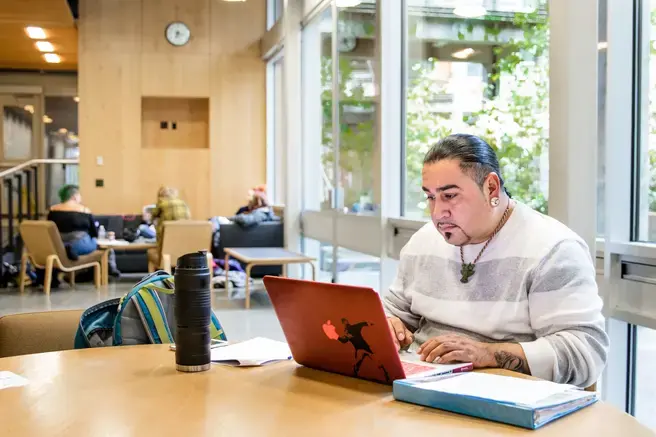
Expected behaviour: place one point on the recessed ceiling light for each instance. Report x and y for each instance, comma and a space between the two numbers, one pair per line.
44, 46
471, 11
29, 108
464, 53
52, 58
35, 32
47, 120
77, 99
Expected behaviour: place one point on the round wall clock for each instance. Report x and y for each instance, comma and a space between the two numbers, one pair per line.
177, 33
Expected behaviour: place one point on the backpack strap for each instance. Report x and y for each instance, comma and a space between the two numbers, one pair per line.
216, 330
145, 314
152, 315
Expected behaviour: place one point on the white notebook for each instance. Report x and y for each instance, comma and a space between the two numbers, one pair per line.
255, 352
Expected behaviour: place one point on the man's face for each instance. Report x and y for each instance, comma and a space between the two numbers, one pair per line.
458, 207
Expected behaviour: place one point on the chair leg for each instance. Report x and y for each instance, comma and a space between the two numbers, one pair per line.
247, 291
97, 274
166, 263
104, 268
151, 267
23, 272
72, 279
50, 262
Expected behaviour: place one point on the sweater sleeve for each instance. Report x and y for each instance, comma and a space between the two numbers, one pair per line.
398, 303
565, 313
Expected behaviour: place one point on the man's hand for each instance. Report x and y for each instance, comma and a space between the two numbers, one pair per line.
454, 348
400, 334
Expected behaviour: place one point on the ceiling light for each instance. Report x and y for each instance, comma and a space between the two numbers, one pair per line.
47, 120
62, 130
44, 46
77, 99
348, 3
470, 11
52, 58
464, 53
35, 32
29, 108
603, 45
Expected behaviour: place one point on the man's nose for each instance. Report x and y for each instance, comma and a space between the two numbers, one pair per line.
440, 211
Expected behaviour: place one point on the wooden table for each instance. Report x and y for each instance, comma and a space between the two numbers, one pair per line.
105, 245
264, 256
136, 391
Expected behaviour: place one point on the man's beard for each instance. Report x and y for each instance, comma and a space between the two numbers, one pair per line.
448, 236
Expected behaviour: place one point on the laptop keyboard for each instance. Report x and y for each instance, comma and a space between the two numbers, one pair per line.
414, 368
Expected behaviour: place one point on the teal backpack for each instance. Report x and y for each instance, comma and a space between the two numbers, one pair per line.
146, 315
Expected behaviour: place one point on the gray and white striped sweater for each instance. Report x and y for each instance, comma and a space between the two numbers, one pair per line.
534, 284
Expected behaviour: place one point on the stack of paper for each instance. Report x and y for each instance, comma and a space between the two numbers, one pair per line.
9, 379
521, 402
255, 352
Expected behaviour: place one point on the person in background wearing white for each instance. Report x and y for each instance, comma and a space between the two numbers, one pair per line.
493, 282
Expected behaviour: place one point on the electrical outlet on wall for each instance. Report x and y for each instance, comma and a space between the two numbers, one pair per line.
99, 160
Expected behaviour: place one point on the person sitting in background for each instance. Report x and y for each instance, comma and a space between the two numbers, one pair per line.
75, 222
146, 228
256, 211
257, 198
169, 207
76, 227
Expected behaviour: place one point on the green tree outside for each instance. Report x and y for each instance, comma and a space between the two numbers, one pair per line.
513, 118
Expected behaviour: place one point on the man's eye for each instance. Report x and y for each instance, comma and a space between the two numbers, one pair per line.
430, 197
450, 196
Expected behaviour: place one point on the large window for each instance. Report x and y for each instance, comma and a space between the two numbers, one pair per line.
356, 45
645, 165
318, 187
275, 138
484, 72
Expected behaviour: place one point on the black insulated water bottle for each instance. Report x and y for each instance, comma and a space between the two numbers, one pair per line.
193, 309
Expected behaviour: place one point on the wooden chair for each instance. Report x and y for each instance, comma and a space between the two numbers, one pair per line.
45, 250
179, 238
32, 333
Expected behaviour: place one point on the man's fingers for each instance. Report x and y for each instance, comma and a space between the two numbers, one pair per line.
408, 338
441, 350
399, 328
457, 355
394, 334
427, 348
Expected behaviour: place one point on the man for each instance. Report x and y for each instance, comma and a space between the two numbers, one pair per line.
492, 282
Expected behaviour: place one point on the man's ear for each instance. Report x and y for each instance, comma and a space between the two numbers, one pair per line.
492, 186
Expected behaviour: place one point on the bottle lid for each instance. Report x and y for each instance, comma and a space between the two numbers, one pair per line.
194, 260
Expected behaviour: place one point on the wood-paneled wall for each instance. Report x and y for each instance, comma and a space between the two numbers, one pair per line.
124, 56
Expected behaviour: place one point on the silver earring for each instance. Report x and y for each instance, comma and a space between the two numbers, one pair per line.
494, 201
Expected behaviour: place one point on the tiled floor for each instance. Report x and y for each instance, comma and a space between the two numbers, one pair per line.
240, 324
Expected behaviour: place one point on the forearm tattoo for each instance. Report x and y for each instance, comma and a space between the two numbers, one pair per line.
506, 360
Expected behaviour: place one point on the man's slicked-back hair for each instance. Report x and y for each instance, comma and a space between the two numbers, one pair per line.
476, 157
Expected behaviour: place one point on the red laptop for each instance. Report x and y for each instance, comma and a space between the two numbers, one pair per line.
343, 329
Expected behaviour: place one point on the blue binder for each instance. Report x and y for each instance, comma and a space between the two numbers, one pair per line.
525, 416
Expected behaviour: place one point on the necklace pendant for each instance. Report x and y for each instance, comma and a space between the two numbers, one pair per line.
467, 271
